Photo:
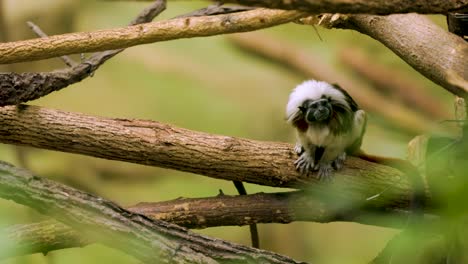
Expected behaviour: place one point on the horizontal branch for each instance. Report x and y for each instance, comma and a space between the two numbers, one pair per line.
358, 6
222, 210
149, 240
222, 157
437, 54
118, 38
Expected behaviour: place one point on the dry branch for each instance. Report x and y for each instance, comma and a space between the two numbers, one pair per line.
16, 88
188, 27
222, 210
357, 6
434, 52
392, 82
310, 65
223, 157
149, 240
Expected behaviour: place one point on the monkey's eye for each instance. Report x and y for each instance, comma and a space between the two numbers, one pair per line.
303, 109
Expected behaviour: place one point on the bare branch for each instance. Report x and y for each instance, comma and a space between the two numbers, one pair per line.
103, 221
222, 210
357, 6
222, 157
188, 27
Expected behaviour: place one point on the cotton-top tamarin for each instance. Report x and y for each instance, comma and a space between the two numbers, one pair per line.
329, 125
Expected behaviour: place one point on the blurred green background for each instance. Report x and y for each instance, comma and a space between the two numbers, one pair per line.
204, 84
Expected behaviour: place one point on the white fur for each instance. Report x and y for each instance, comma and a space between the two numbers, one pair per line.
310, 90
321, 136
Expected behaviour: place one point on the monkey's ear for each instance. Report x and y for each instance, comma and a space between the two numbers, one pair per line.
303, 109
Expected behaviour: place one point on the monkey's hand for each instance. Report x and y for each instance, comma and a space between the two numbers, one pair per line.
298, 149
338, 163
305, 163
324, 171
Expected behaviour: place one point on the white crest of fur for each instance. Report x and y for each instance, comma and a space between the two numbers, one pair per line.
311, 90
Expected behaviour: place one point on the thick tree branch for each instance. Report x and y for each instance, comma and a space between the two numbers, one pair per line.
411, 37
148, 240
357, 6
187, 27
223, 157
222, 210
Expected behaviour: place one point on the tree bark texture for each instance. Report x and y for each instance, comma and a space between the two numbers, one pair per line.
197, 213
222, 157
118, 38
149, 240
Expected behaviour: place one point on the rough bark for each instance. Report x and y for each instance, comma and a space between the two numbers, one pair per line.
149, 240
357, 6
197, 213
118, 38
223, 157
434, 52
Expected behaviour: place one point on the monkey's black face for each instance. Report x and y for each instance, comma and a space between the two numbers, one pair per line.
316, 111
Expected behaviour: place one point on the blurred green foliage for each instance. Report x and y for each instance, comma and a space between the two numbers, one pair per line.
203, 84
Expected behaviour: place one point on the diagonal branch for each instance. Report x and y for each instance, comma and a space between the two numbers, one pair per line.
222, 210
148, 240
118, 38
223, 157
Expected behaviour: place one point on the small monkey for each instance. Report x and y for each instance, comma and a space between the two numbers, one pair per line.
329, 126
